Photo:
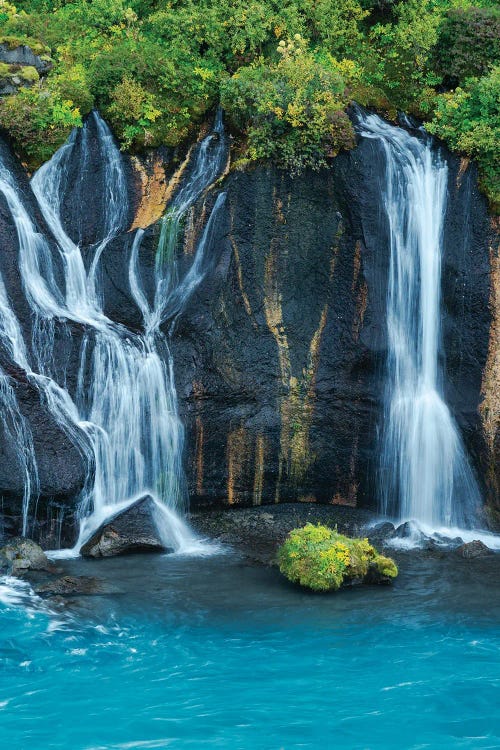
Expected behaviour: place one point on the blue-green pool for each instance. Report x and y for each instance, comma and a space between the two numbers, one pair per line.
212, 653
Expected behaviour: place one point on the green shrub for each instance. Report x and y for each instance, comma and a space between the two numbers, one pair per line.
133, 112
468, 43
71, 82
38, 122
386, 566
293, 110
156, 69
468, 120
321, 559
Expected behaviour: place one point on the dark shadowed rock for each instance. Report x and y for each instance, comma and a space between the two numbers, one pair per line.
473, 549
76, 586
131, 530
381, 531
21, 555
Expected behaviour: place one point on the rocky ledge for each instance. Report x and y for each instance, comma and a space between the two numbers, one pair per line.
258, 532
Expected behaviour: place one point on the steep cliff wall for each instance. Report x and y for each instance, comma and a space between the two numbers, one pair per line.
280, 355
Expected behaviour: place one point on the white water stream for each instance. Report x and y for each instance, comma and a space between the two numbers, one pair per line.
124, 415
425, 472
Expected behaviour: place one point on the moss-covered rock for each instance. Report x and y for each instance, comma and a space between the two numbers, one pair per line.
321, 559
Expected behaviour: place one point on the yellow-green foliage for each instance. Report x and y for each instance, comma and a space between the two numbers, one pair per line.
25, 72
386, 566
292, 111
38, 121
321, 559
155, 68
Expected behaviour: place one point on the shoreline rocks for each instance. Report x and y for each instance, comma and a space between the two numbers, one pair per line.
474, 549
22, 555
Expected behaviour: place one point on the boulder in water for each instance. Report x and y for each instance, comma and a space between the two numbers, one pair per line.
409, 530
474, 549
21, 555
382, 531
131, 530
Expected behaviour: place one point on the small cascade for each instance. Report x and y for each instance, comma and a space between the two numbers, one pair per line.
208, 164
18, 432
425, 472
123, 415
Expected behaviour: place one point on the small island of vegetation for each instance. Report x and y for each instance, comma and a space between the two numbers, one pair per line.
321, 559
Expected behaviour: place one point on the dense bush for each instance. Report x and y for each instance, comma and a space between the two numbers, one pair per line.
39, 121
468, 43
469, 120
156, 68
322, 559
291, 111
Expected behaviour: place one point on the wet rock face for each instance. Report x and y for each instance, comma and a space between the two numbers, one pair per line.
61, 466
280, 356
132, 530
276, 367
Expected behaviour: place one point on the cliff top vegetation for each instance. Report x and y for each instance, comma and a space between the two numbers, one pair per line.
285, 71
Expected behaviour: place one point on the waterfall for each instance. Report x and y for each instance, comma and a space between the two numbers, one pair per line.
425, 473
124, 415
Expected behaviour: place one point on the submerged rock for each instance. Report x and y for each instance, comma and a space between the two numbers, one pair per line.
21, 555
474, 549
76, 585
131, 530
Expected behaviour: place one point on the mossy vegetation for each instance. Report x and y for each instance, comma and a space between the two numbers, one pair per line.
24, 72
321, 559
286, 71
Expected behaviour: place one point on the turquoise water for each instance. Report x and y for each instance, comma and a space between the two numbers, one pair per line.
215, 654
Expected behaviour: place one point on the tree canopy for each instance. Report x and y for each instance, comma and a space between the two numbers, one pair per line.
285, 71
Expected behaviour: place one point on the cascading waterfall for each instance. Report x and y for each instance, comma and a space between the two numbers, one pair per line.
425, 473
124, 414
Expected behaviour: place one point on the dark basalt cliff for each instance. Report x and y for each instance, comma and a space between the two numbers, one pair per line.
61, 466
279, 357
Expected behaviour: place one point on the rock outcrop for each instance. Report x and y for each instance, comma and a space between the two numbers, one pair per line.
131, 530
20, 67
473, 549
22, 555
22, 55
